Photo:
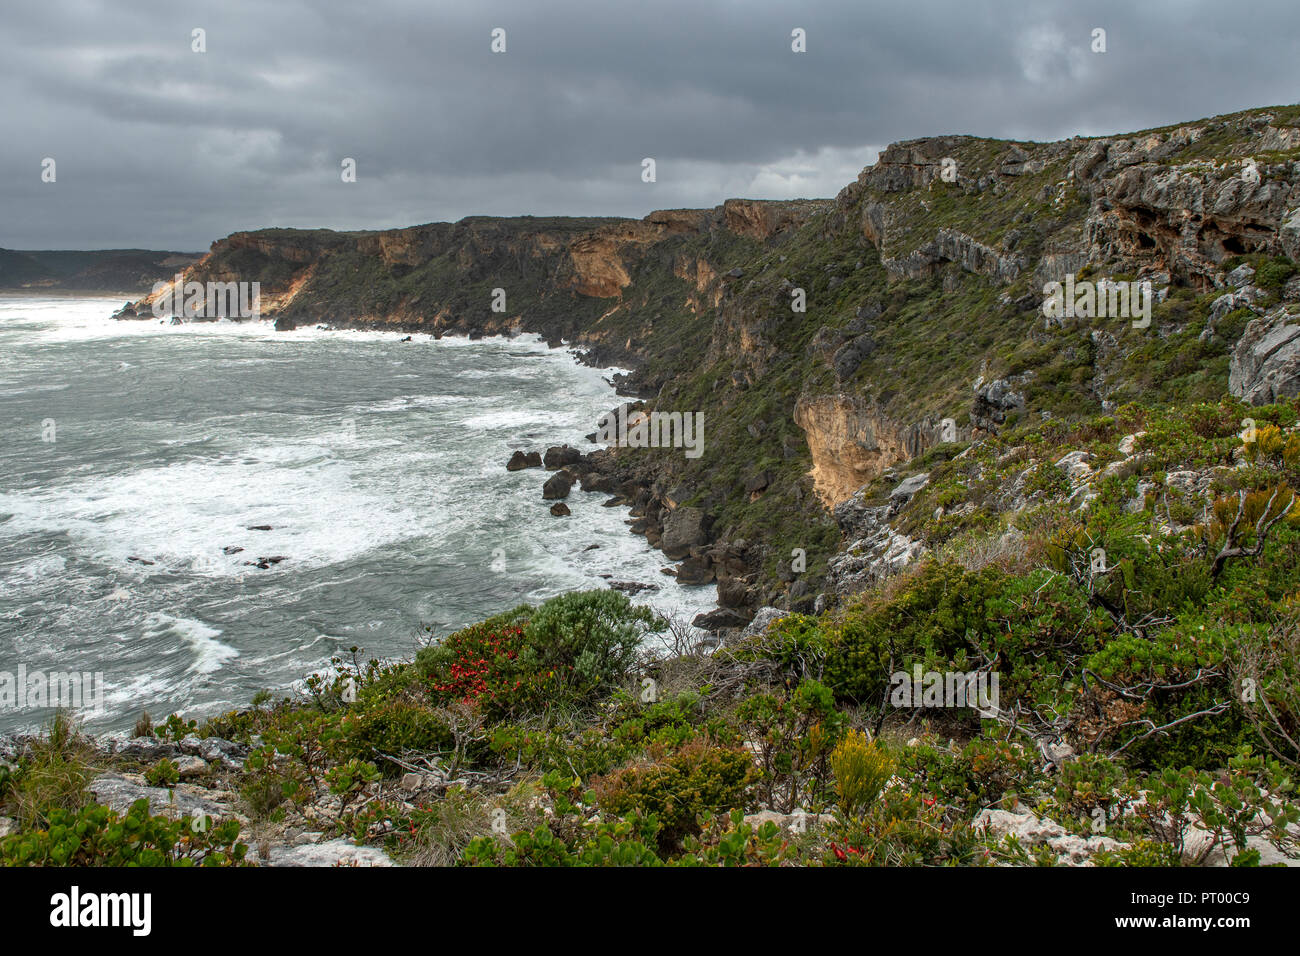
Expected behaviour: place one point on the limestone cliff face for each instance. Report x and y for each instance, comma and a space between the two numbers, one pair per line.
762, 220
852, 442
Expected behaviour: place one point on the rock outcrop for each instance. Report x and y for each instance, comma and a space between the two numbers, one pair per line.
1265, 364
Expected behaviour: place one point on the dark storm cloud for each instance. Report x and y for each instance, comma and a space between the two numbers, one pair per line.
161, 147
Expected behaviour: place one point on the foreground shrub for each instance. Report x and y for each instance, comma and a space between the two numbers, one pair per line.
96, 836
699, 779
794, 734
571, 652
391, 727
861, 768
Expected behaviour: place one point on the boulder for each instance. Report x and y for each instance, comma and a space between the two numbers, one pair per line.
557, 486
1241, 275
764, 617
723, 617
684, 528
595, 481
560, 510
1128, 444
521, 460
560, 456
734, 592
906, 488
695, 571
189, 767
632, 587
1075, 465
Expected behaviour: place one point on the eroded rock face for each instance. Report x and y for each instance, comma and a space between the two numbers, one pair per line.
1265, 365
851, 443
951, 245
874, 550
762, 218
993, 402
1153, 202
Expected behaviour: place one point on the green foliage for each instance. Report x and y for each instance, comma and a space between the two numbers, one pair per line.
1273, 273
594, 635
96, 836
389, 727
983, 773
698, 779
794, 734
163, 774
861, 768
623, 843
573, 651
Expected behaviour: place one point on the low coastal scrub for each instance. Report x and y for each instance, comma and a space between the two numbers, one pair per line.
1147, 714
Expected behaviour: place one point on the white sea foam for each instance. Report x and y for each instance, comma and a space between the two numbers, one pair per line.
209, 653
385, 522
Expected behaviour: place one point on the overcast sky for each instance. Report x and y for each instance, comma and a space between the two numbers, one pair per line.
160, 147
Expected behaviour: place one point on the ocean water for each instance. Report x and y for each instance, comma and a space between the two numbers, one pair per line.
377, 464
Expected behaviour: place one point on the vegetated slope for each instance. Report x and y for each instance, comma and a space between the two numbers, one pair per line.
923, 293
101, 270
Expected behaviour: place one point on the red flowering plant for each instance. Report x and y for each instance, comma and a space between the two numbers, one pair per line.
573, 650
480, 665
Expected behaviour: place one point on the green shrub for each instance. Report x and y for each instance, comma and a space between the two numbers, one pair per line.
96, 836
698, 779
389, 727
163, 774
593, 635
794, 733
1273, 273
573, 651
861, 768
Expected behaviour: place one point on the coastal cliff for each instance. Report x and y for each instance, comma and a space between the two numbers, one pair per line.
831, 342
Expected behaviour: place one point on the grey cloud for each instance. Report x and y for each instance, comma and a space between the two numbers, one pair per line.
157, 146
